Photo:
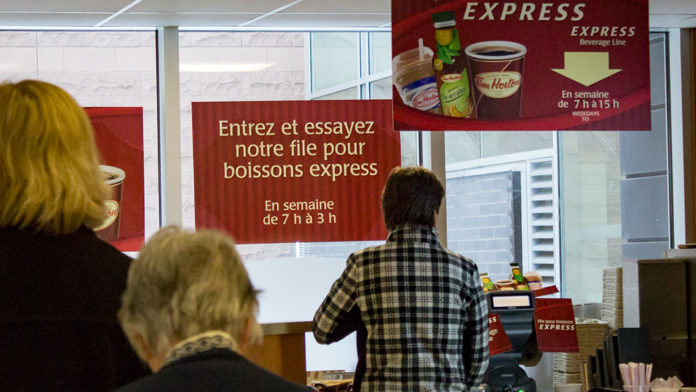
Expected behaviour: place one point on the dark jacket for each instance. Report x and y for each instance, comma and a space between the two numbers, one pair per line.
59, 295
218, 370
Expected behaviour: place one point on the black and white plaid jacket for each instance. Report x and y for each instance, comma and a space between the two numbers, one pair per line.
424, 311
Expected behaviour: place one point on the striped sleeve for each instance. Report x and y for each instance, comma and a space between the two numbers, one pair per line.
337, 306
478, 331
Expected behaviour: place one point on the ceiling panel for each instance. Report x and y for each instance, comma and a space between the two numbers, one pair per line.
181, 19
323, 20
51, 19
255, 6
231, 13
64, 6
352, 6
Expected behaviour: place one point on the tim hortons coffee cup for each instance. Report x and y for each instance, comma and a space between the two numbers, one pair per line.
496, 69
109, 230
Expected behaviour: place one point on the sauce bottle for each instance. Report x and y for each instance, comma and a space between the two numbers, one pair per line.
450, 68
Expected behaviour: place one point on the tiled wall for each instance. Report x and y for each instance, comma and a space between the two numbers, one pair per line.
481, 215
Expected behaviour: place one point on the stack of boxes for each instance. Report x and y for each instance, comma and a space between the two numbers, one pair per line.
567, 367
612, 297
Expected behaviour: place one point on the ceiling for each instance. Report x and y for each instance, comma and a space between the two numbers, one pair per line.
247, 14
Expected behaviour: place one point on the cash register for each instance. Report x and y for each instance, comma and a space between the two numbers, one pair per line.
515, 310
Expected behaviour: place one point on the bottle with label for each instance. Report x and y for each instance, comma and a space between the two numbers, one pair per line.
450, 68
487, 283
521, 282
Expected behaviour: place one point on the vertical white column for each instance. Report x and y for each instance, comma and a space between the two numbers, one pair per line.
679, 78
169, 125
434, 159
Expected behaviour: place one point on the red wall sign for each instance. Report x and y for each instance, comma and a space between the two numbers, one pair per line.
119, 136
521, 65
286, 171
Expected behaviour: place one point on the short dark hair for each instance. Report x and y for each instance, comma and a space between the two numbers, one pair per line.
412, 195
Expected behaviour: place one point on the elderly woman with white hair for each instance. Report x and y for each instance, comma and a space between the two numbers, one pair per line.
189, 311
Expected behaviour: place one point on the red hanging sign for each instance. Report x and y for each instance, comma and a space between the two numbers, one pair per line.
286, 171
521, 65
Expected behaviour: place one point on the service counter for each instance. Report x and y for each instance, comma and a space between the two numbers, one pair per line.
283, 350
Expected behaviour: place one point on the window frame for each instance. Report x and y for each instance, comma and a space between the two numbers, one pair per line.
363, 79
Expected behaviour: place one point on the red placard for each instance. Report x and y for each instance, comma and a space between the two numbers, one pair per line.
498, 341
119, 137
548, 290
286, 171
530, 64
554, 321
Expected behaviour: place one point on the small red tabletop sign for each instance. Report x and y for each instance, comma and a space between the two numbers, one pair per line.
498, 341
554, 321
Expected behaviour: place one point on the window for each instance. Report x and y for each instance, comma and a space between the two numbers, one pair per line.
335, 61
234, 66
615, 191
355, 66
503, 209
350, 65
99, 69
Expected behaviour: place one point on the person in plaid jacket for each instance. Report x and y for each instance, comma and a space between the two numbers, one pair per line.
418, 308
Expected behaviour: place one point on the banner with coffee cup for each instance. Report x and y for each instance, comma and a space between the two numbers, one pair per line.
520, 65
118, 133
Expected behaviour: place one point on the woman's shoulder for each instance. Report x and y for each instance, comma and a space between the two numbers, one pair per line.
213, 370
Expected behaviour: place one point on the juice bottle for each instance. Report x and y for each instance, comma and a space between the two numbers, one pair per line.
520, 281
487, 283
450, 68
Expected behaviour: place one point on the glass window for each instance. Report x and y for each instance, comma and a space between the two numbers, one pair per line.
99, 69
234, 66
409, 148
462, 146
380, 52
349, 93
591, 211
381, 89
511, 142
335, 59
362, 60
615, 193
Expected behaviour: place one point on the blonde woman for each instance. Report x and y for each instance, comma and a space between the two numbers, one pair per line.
189, 311
60, 285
